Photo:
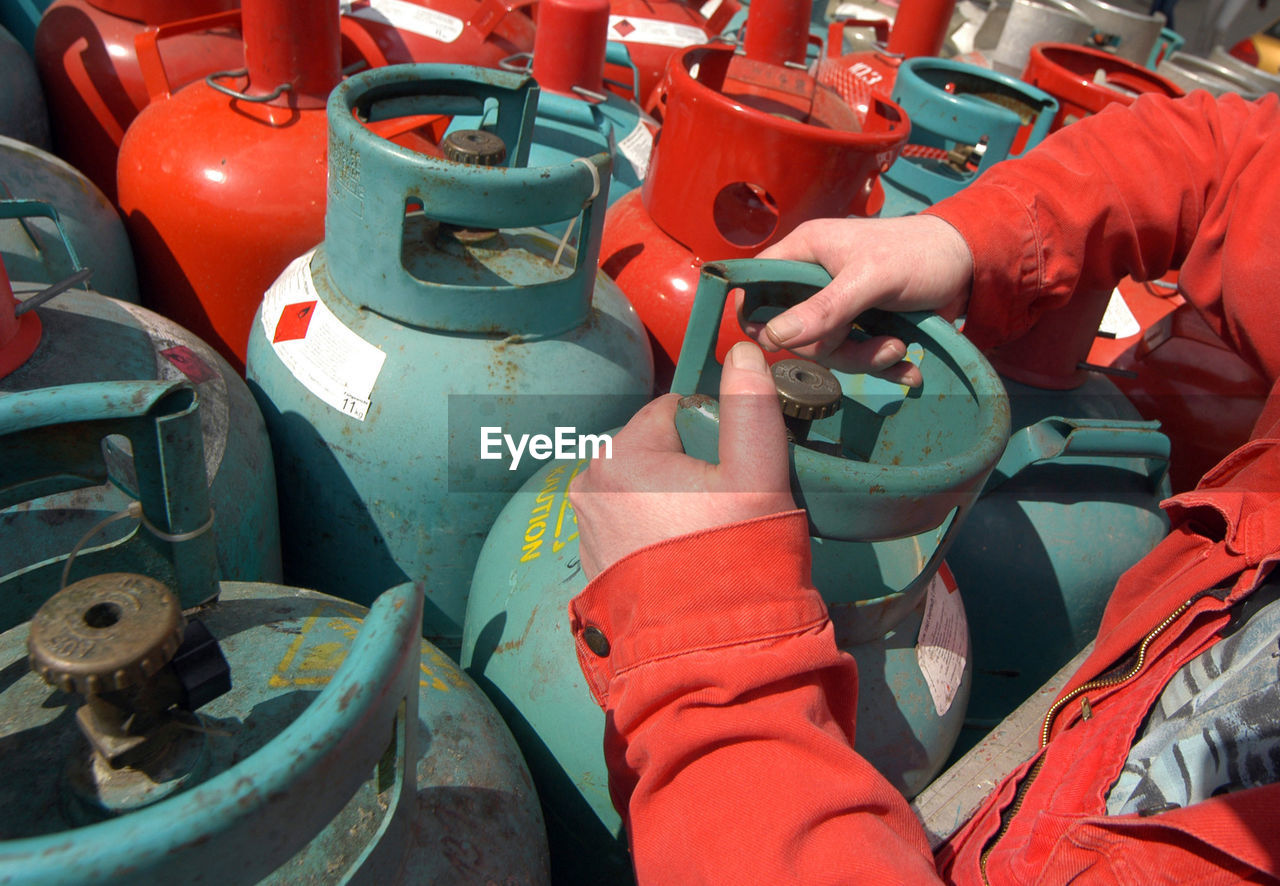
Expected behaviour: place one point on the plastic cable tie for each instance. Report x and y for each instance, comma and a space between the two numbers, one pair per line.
175, 538
133, 510
595, 192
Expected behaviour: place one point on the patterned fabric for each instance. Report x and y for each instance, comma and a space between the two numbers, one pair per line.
1216, 726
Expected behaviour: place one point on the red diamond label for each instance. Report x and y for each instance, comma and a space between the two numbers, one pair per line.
189, 363
624, 28
294, 320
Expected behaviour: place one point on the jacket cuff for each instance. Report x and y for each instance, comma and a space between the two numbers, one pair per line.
725, 586
1001, 232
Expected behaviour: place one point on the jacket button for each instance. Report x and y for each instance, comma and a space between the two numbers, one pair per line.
596, 641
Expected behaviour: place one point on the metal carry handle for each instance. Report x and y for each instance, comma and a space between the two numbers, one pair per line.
52, 439
151, 65
20, 209
1056, 437
853, 499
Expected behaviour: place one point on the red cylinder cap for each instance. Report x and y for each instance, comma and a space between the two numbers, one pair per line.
778, 31
920, 27
569, 45
18, 335
294, 43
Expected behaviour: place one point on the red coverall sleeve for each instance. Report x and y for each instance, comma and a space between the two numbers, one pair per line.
1130, 191
730, 718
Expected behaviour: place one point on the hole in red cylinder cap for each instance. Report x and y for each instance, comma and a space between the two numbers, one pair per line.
745, 214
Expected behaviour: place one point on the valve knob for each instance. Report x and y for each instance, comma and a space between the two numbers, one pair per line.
808, 390
474, 147
105, 633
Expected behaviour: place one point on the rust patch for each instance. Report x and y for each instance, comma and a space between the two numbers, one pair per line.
512, 645
347, 697
877, 489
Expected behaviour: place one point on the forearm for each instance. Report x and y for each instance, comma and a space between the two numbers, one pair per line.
731, 716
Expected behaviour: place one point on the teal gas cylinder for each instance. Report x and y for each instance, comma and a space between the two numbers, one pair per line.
1072, 504
885, 480
231, 732
83, 337
964, 120
23, 115
577, 116
86, 233
380, 357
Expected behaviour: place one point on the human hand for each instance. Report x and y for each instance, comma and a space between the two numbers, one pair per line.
916, 263
651, 490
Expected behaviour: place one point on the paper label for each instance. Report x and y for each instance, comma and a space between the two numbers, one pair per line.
1118, 321
636, 147
631, 29
412, 18
326, 357
943, 644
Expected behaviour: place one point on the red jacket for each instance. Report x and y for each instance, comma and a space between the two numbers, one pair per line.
730, 710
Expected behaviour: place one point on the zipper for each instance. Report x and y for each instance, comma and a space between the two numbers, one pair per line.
1100, 683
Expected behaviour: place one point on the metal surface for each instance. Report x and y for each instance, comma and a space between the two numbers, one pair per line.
948, 802
93, 340
87, 232
1192, 72
807, 390
517, 645
1132, 35
219, 194
655, 30
954, 105
1037, 21
502, 332
20, 17
788, 149
349, 750
463, 32
1260, 79
93, 81
22, 111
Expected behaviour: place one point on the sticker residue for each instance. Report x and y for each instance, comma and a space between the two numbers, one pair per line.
636, 147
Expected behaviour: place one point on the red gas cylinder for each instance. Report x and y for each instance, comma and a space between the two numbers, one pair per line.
92, 80
19, 333
1086, 80
654, 30
223, 184
465, 32
919, 28
748, 150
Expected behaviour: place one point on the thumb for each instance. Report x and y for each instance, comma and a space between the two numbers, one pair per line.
753, 440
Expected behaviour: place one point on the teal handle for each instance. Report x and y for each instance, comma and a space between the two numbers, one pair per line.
20, 209
50, 435
1170, 42
907, 485
304, 776
371, 180
618, 54
1055, 438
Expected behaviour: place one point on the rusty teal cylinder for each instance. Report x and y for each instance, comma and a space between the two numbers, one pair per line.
882, 515
1072, 504
346, 749
431, 311
73, 225
94, 343
955, 105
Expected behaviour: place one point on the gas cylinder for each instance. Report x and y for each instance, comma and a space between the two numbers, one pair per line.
919, 29
788, 149
1130, 34
1086, 80
885, 478
655, 30
222, 185
83, 337
464, 32
1193, 72
1262, 81
76, 226
239, 732
1006, 43
964, 120
575, 112
383, 357
22, 111
93, 78
20, 17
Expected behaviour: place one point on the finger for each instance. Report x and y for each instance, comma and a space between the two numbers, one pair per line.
827, 312
753, 441
653, 428
793, 247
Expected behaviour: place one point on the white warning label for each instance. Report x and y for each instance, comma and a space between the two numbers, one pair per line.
636, 147
1118, 321
410, 17
326, 357
943, 644
631, 29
